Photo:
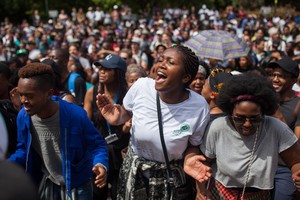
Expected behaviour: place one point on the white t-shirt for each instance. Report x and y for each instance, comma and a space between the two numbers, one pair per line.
232, 152
99, 14
182, 123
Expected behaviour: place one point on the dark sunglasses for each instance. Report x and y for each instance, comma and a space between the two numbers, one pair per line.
242, 119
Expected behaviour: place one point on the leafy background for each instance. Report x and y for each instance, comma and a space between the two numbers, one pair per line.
17, 10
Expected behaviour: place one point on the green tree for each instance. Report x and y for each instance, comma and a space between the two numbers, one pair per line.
17, 10
107, 4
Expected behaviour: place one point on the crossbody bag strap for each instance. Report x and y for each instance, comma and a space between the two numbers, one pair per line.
163, 144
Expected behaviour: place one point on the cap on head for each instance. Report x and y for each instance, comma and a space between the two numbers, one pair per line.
112, 61
136, 40
272, 31
145, 32
21, 52
160, 45
160, 21
286, 64
159, 32
137, 32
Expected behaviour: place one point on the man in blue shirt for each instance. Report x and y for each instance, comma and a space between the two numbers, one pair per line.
57, 143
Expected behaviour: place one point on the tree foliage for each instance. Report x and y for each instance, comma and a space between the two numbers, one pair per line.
107, 4
17, 10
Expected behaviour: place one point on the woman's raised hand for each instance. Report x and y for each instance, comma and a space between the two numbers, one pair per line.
110, 111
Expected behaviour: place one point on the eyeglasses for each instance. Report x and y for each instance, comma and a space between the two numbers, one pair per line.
254, 120
279, 76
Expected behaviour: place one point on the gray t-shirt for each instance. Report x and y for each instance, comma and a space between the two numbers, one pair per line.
232, 152
46, 142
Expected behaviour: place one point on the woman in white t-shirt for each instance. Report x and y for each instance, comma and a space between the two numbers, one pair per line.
185, 115
245, 144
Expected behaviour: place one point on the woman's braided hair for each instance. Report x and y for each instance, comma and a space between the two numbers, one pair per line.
189, 60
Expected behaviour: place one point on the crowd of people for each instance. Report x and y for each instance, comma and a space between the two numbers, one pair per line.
100, 104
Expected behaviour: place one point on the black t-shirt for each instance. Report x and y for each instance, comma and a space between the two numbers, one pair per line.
289, 112
101, 124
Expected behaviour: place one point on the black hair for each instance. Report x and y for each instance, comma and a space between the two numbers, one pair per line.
262, 29
250, 64
286, 26
120, 85
258, 87
15, 60
42, 73
206, 67
266, 61
189, 60
56, 69
258, 71
258, 41
80, 69
281, 53
5, 71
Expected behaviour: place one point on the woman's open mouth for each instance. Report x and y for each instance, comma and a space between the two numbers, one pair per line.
161, 77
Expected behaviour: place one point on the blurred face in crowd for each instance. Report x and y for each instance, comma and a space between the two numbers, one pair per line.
124, 55
248, 40
286, 30
185, 35
135, 46
160, 50
275, 36
159, 37
260, 34
166, 39
243, 61
260, 46
73, 50
206, 91
57, 57
197, 83
132, 78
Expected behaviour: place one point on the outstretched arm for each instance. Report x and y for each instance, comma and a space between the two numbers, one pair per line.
195, 165
115, 114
